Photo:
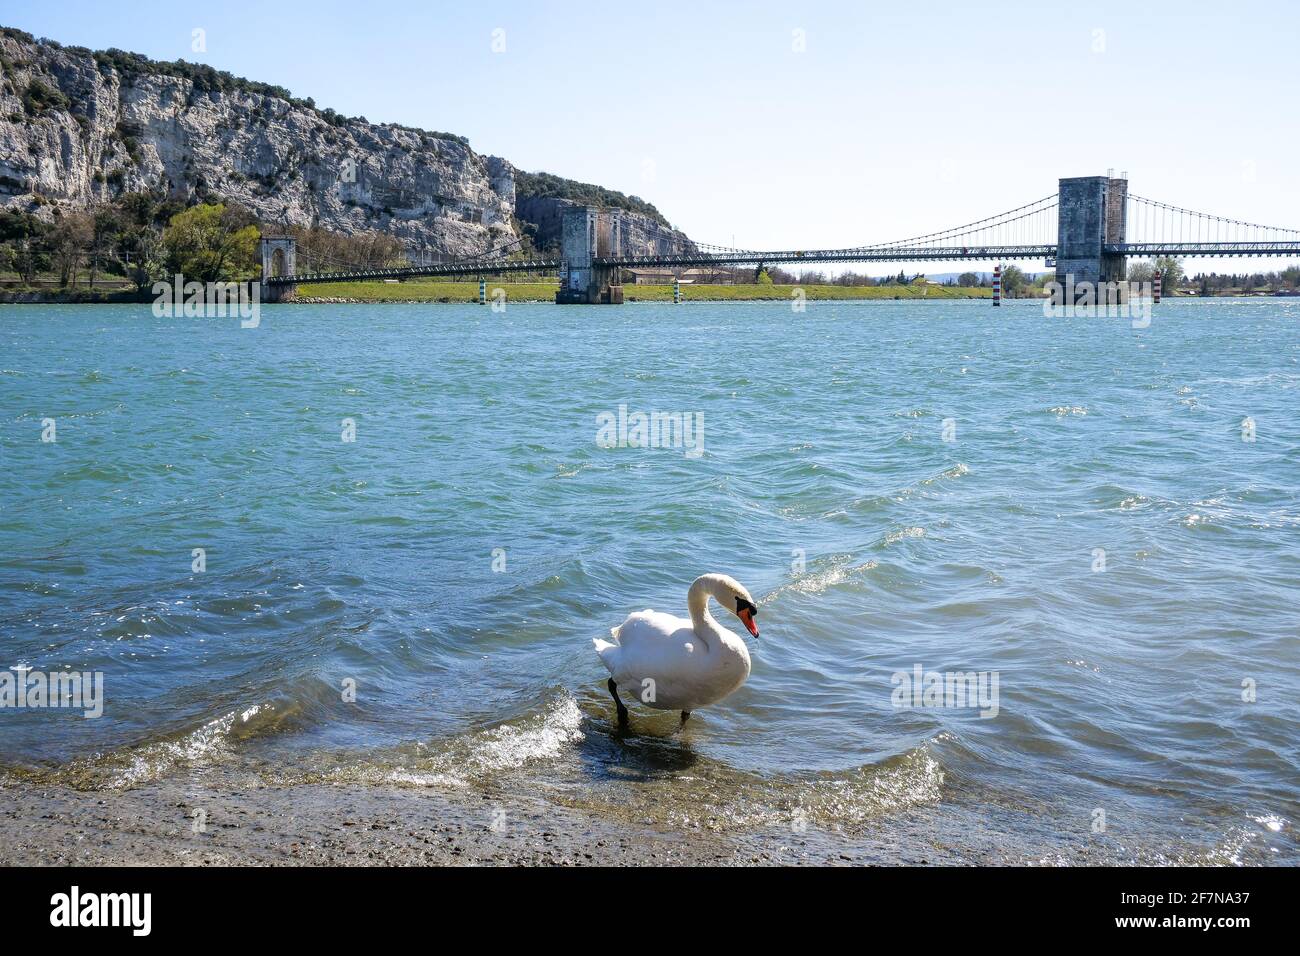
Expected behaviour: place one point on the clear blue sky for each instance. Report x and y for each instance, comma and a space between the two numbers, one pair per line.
896, 118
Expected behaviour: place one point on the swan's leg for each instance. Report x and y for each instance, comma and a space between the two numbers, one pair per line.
622, 711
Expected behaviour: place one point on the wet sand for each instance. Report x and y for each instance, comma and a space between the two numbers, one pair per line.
333, 825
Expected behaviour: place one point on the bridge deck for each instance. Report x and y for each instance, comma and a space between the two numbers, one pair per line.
1198, 249
808, 256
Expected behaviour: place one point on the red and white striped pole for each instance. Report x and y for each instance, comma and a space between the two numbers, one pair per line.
997, 284
1156, 281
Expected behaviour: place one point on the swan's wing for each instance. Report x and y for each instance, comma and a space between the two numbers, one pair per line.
611, 652
649, 628
649, 643
607, 652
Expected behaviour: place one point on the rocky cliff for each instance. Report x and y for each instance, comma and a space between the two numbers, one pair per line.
79, 128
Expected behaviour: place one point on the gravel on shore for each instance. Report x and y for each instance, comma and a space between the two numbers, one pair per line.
199, 820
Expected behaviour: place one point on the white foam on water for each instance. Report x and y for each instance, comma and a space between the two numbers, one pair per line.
201, 747
903, 533
956, 471
846, 799
510, 746
474, 757
815, 582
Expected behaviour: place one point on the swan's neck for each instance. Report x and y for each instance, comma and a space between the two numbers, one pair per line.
697, 600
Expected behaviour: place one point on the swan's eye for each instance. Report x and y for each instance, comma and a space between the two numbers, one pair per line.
743, 605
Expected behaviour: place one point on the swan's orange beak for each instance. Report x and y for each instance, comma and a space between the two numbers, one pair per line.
746, 615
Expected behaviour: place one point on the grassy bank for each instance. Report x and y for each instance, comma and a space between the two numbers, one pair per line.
437, 291
426, 290
784, 293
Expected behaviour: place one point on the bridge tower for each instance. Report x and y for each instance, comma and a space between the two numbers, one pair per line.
279, 258
1091, 213
586, 234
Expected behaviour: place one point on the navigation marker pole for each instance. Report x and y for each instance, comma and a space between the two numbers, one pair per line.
1156, 281
997, 284
677, 291
482, 291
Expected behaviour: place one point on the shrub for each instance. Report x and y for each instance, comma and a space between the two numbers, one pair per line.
547, 186
38, 98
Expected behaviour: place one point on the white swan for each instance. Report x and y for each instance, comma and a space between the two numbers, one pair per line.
672, 663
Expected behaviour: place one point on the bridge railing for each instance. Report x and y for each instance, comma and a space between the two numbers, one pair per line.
1193, 249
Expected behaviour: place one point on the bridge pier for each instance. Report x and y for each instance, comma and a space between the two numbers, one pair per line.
279, 258
585, 235
1091, 213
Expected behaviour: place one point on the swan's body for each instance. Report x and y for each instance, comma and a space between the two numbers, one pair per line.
674, 663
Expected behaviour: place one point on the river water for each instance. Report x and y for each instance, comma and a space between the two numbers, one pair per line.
1071, 510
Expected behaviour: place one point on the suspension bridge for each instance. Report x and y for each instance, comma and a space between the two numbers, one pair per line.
1087, 230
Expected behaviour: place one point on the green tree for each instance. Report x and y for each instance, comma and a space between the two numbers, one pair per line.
212, 243
764, 278
148, 258
20, 225
1013, 281
1171, 273
968, 280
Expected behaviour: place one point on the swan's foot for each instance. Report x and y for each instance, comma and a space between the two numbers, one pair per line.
622, 711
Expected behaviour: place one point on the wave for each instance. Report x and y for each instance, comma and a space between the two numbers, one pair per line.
467, 759
714, 796
222, 740
214, 742
566, 751
831, 571
902, 534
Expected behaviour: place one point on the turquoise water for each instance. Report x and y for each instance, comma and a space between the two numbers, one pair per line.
825, 485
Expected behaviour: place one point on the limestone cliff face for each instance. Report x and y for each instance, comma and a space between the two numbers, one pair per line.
641, 234
79, 128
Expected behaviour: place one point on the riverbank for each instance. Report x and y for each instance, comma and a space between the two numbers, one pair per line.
74, 297
211, 817
194, 822
440, 291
